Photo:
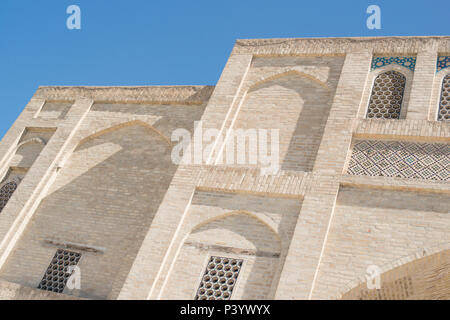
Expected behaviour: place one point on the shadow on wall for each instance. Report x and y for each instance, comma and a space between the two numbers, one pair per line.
281, 215
296, 103
308, 114
397, 200
110, 205
28, 153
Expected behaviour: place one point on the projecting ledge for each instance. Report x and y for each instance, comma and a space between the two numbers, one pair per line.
391, 183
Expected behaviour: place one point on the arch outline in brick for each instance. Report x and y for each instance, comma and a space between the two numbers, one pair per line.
411, 258
264, 220
123, 125
288, 72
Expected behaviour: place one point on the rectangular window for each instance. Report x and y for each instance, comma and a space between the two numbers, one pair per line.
57, 274
219, 279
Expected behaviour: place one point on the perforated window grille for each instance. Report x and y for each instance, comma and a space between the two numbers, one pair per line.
401, 159
444, 104
219, 279
387, 96
6, 192
57, 273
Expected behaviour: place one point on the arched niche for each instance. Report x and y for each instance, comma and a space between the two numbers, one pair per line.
105, 196
297, 105
27, 152
236, 235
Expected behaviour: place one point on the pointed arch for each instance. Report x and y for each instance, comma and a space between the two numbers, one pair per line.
27, 151
37, 140
288, 72
245, 237
400, 269
386, 99
264, 220
123, 125
83, 148
102, 184
257, 248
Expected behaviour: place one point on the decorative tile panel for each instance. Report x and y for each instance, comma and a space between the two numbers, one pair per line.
442, 63
407, 62
429, 161
219, 279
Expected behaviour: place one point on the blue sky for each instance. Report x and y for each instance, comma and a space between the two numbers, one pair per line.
149, 42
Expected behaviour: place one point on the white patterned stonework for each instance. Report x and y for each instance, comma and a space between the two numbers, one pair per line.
429, 161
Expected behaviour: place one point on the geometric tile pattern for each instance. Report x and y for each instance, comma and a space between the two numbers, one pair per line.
57, 274
429, 161
387, 96
6, 192
442, 63
219, 279
407, 62
444, 104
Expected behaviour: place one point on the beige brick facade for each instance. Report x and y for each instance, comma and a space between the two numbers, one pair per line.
94, 175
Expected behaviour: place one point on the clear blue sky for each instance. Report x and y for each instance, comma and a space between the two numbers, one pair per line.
149, 42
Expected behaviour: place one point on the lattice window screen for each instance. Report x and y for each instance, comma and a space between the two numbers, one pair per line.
57, 274
6, 192
444, 104
219, 279
387, 96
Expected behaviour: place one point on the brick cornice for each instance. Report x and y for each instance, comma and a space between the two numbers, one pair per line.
337, 46
144, 94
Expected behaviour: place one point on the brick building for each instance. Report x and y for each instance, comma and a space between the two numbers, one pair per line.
87, 181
